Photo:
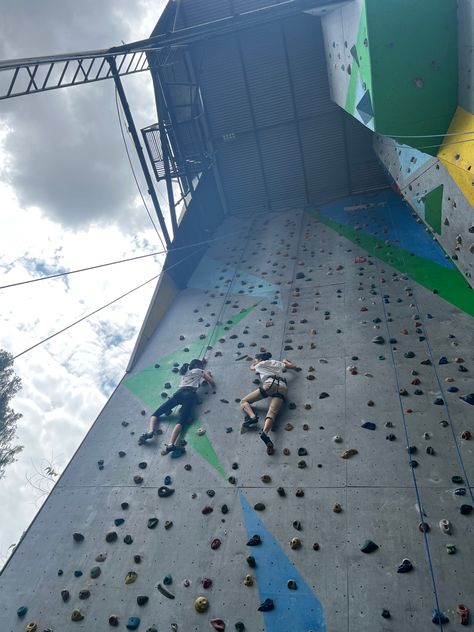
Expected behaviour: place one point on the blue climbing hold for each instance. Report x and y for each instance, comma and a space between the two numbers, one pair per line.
167, 580
133, 623
443, 360
368, 425
453, 389
22, 610
77, 573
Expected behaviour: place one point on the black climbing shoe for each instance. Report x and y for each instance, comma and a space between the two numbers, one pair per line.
250, 421
268, 442
145, 437
169, 448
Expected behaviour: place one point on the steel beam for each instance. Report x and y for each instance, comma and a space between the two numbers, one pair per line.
139, 149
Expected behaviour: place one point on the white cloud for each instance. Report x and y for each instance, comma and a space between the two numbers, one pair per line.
68, 201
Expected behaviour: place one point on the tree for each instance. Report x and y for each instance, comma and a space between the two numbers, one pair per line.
10, 384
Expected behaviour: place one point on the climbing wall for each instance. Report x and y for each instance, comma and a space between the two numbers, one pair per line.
393, 64
372, 450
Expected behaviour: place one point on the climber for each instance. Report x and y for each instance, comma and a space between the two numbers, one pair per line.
192, 376
274, 386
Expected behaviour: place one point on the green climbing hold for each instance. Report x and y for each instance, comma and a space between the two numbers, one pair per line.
167, 580
119, 521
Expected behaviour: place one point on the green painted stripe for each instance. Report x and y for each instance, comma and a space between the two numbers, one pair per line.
148, 384
449, 283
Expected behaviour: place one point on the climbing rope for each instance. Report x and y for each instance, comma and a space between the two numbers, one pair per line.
99, 309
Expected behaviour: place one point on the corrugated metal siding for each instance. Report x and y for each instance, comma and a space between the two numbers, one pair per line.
325, 157
265, 66
365, 170
201, 11
307, 62
241, 173
223, 88
241, 6
283, 167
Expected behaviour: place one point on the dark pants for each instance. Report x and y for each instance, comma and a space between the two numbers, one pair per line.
186, 397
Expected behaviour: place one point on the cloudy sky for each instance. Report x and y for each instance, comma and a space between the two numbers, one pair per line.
68, 200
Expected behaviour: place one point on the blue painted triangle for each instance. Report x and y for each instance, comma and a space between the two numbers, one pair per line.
294, 609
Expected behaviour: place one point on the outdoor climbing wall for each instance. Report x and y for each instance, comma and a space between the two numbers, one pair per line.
393, 64
428, 186
350, 293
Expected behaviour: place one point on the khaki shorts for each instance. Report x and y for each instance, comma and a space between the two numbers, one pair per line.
271, 388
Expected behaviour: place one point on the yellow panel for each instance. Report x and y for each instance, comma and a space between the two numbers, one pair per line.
457, 152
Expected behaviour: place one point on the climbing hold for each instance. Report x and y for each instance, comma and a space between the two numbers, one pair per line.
430, 450
165, 492
224, 509
167, 580
21, 612
292, 584
337, 508
251, 561
323, 395
391, 437
248, 580
302, 464
369, 547
207, 510
217, 624
465, 510
168, 524
316, 546
95, 572
386, 613
65, 595
215, 544
286, 451
152, 523
424, 527
460, 491
288, 426
124, 506
31, 627
133, 623
165, 592
259, 507
128, 539
458, 480
368, 425
201, 604
281, 491
348, 453
438, 401
255, 540
299, 492
137, 559
445, 526
405, 567
137, 479
114, 620
76, 615
409, 354
438, 617
131, 577
266, 606
77, 573
337, 439
84, 594
466, 435
143, 465
378, 340
295, 543
302, 451
111, 536
77, 537
451, 549
266, 478
463, 612
206, 582
469, 399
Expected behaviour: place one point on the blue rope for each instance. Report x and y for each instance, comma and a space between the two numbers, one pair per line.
415, 483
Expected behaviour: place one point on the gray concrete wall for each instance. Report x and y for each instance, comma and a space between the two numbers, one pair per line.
326, 296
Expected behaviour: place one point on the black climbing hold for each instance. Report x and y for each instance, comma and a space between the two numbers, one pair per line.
124, 506
111, 536
323, 395
259, 507
114, 620
405, 567
211, 493
142, 600
137, 559
302, 451
251, 561
386, 613
255, 540
78, 537
65, 595
225, 509
266, 606
152, 523
292, 584
128, 539
458, 480
281, 491
84, 594
465, 510
369, 547
165, 492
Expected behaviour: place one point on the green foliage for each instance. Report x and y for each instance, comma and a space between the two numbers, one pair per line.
10, 384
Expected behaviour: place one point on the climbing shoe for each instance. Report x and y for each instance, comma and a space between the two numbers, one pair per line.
169, 448
145, 437
250, 421
268, 442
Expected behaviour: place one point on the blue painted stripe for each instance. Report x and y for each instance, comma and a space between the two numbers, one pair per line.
295, 610
386, 217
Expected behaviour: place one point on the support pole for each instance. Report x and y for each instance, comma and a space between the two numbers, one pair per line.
169, 182
138, 147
